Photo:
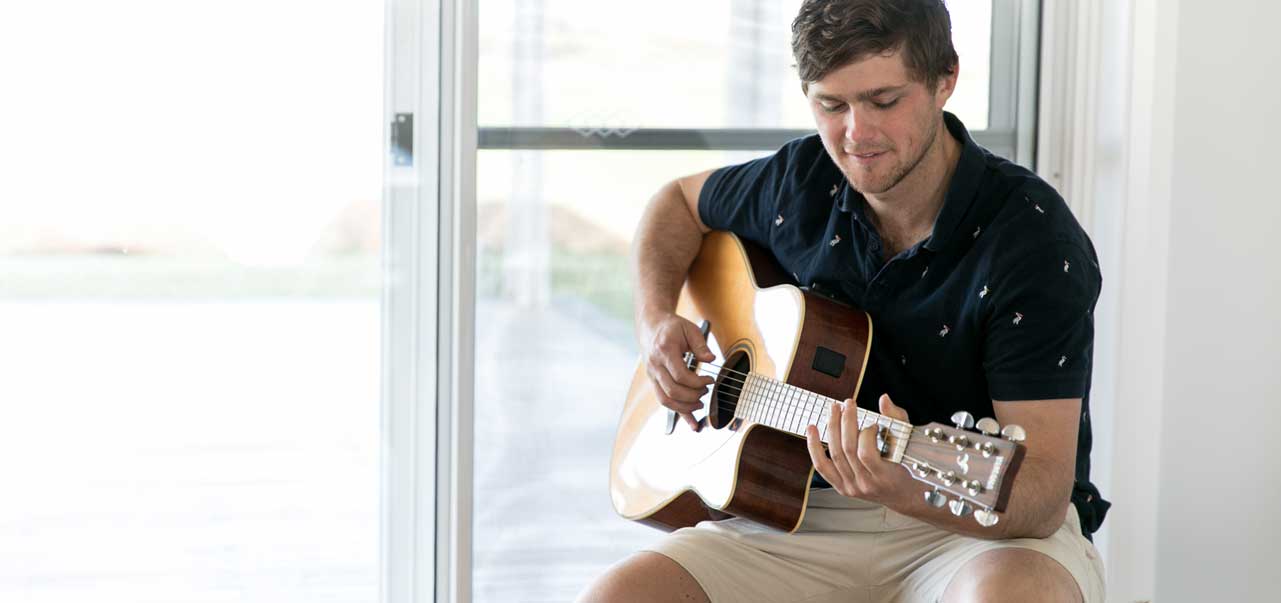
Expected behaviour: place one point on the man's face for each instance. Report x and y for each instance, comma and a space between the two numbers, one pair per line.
876, 121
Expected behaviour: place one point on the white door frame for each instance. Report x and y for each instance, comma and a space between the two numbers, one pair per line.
429, 303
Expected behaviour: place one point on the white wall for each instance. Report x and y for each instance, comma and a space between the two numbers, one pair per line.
1220, 487
1171, 162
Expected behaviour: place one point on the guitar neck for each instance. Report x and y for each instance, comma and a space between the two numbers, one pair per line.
792, 409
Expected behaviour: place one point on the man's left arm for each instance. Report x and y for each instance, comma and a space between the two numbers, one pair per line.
1042, 487
1037, 347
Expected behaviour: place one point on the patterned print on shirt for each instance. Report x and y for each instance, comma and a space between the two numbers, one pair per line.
983, 293
835, 240
945, 331
1066, 265
1018, 317
832, 193
779, 220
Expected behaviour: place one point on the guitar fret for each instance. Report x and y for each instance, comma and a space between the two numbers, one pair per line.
786, 396
773, 416
797, 415
756, 399
813, 402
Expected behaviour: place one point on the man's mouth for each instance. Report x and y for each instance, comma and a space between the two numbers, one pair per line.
867, 157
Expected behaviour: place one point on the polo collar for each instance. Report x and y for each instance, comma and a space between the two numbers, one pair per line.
961, 191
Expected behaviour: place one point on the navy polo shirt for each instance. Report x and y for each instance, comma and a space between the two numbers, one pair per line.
997, 304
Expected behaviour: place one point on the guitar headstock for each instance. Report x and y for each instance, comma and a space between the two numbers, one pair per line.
975, 462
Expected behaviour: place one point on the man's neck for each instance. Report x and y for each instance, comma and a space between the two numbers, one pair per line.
905, 214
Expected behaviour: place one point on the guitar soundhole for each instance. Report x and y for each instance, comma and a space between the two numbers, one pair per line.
729, 385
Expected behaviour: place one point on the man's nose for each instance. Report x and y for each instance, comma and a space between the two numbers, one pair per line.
858, 125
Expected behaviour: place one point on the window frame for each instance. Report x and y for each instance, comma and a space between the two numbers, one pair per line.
1012, 118
428, 302
429, 260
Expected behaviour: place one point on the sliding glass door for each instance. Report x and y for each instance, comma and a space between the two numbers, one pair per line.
190, 285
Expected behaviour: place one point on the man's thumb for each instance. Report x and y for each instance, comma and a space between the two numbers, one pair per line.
890, 409
698, 344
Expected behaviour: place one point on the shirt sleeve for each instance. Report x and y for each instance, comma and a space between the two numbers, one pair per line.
1040, 336
744, 198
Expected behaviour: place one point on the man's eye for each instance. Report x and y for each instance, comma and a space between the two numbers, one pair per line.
885, 105
833, 108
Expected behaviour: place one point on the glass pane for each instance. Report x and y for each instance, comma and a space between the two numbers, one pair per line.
721, 64
189, 259
555, 354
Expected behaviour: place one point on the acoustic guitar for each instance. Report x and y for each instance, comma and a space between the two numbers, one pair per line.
783, 355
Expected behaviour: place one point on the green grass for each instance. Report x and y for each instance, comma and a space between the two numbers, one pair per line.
599, 279
93, 277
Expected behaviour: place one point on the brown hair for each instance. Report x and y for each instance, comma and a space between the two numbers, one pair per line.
829, 34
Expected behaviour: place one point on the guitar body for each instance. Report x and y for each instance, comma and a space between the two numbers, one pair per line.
733, 466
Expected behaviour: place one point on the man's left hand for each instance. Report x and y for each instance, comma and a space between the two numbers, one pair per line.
856, 468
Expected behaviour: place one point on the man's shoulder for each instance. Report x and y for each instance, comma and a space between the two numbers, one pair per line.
805, 159
793, 165
1031, 215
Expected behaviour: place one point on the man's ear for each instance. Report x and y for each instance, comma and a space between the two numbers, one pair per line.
946, 86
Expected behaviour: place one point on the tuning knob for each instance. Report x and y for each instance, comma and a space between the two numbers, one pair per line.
934, 499
986, 517
960, 508
963, 420
987, 448
988, 426
974, 487
1014, 433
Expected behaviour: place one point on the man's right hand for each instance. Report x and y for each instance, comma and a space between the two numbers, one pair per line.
667, 337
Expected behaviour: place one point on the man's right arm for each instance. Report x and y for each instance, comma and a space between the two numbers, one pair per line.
667, 240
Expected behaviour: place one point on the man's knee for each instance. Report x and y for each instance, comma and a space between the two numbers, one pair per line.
644, 577
1013, 574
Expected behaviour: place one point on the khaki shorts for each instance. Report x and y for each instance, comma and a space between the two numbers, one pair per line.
851, 550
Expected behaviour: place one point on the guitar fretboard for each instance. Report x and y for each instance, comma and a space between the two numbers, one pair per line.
792, 409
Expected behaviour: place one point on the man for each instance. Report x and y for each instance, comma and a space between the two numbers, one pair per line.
981, 285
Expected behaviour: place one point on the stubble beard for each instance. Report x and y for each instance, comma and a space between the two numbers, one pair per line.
898, 172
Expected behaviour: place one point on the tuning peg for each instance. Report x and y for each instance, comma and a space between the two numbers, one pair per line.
963, 420
986, 517
934, 499
988, 426
1014, 433
959, 507
987, 448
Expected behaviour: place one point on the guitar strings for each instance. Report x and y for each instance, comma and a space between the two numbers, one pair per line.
791, 400
798, 422
779, 401
774, 402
